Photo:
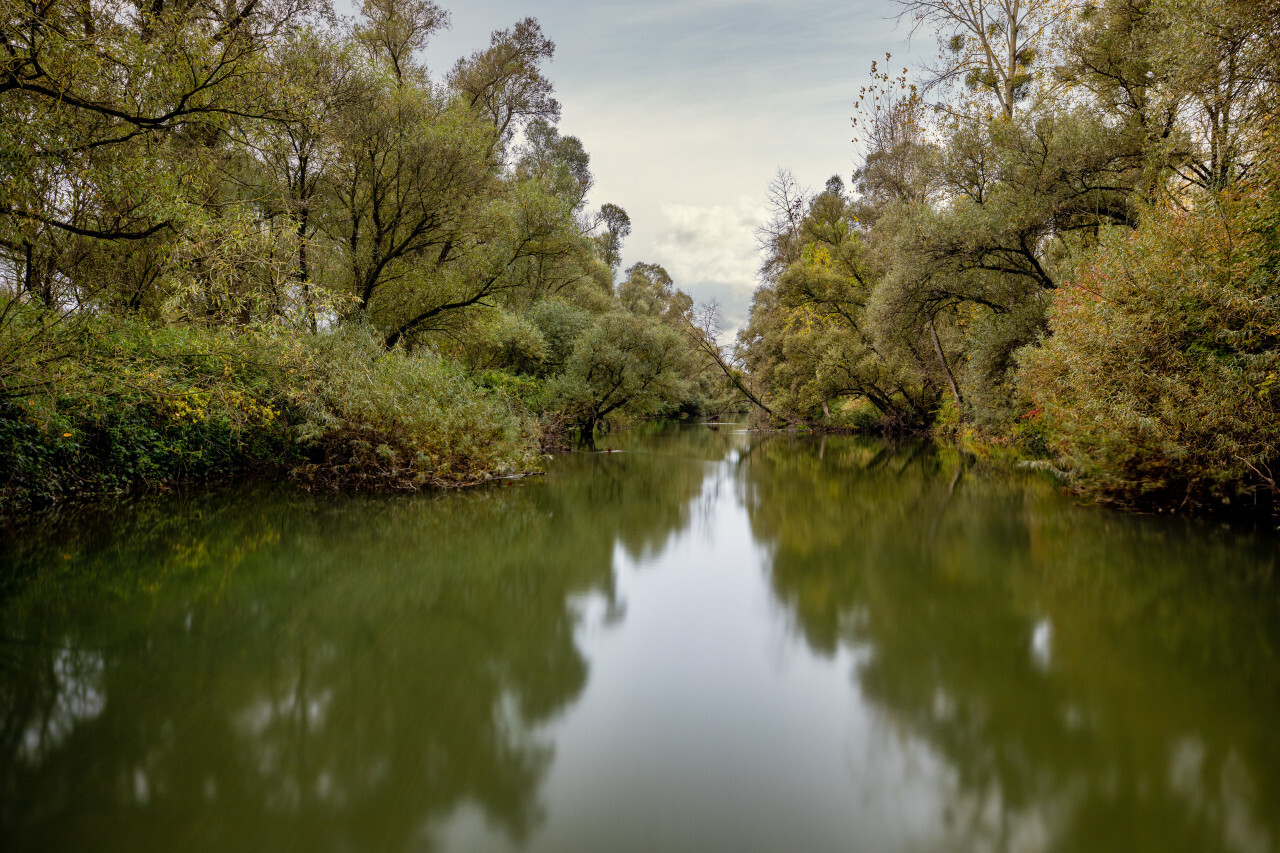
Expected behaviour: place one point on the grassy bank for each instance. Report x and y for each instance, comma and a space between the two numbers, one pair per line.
114, 405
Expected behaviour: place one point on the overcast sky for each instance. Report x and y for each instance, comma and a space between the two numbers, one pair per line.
688, 107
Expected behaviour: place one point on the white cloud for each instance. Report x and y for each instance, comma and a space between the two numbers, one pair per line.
711, 247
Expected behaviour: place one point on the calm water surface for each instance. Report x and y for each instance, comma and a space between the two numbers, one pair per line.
709, 641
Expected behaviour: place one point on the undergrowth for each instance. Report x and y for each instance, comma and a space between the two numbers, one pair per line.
118, 406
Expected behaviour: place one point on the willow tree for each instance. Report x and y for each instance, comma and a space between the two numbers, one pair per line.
107, 108
993, 47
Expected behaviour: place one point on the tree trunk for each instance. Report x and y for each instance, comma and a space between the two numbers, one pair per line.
946, 368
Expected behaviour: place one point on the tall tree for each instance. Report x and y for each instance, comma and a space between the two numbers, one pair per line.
396, 29
108, 109
505, 83
617, 227
779, 237
990, 46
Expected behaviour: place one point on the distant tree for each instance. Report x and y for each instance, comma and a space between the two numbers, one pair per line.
898, 159
649, 291
626, 362
617, 227
560, 160
779, 237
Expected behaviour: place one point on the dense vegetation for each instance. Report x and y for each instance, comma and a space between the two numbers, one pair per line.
248, 236
1063, 238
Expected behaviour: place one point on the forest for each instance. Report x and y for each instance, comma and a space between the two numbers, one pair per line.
245, 237
251, 236
1060, 245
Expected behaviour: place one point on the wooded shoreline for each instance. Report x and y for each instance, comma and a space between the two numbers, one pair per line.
247, 239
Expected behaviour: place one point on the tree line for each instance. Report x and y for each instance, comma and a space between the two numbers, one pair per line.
1061, 237
249, 233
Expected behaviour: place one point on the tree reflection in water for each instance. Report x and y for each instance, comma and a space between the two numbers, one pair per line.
262, 670
276, 672
1089, 680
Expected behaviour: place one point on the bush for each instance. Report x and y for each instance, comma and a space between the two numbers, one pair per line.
392, 420
1158, 382
989, 378
131, 406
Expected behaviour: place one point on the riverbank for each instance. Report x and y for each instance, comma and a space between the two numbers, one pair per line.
1142, 482
136, 407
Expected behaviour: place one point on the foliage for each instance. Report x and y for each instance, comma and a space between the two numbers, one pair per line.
994, 50
253, 237
624, 363
404, 421
136, 406
814, 337
1069, 248
141, 406
1157, 383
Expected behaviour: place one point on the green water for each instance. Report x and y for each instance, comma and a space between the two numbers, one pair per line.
709, 641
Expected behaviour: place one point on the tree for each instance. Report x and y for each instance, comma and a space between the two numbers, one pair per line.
290, 160
1220, 54
649, 291
505, 83
1158, 382
113, 124
626, 362
811, 338
990, 46
410, 169
516, 229
778, 237
396, 29
1195, 79
94, 95
705, 330
617, 227
899, 161
561, 161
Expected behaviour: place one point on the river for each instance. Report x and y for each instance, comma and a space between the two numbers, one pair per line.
706, 640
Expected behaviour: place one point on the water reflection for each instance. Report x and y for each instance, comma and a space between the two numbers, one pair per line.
287, 673
1088, 680
702, 640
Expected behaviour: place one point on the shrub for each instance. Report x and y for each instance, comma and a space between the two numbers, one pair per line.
393, 420
1158, 382
133, 406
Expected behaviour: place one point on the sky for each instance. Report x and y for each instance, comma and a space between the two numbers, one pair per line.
689, 107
